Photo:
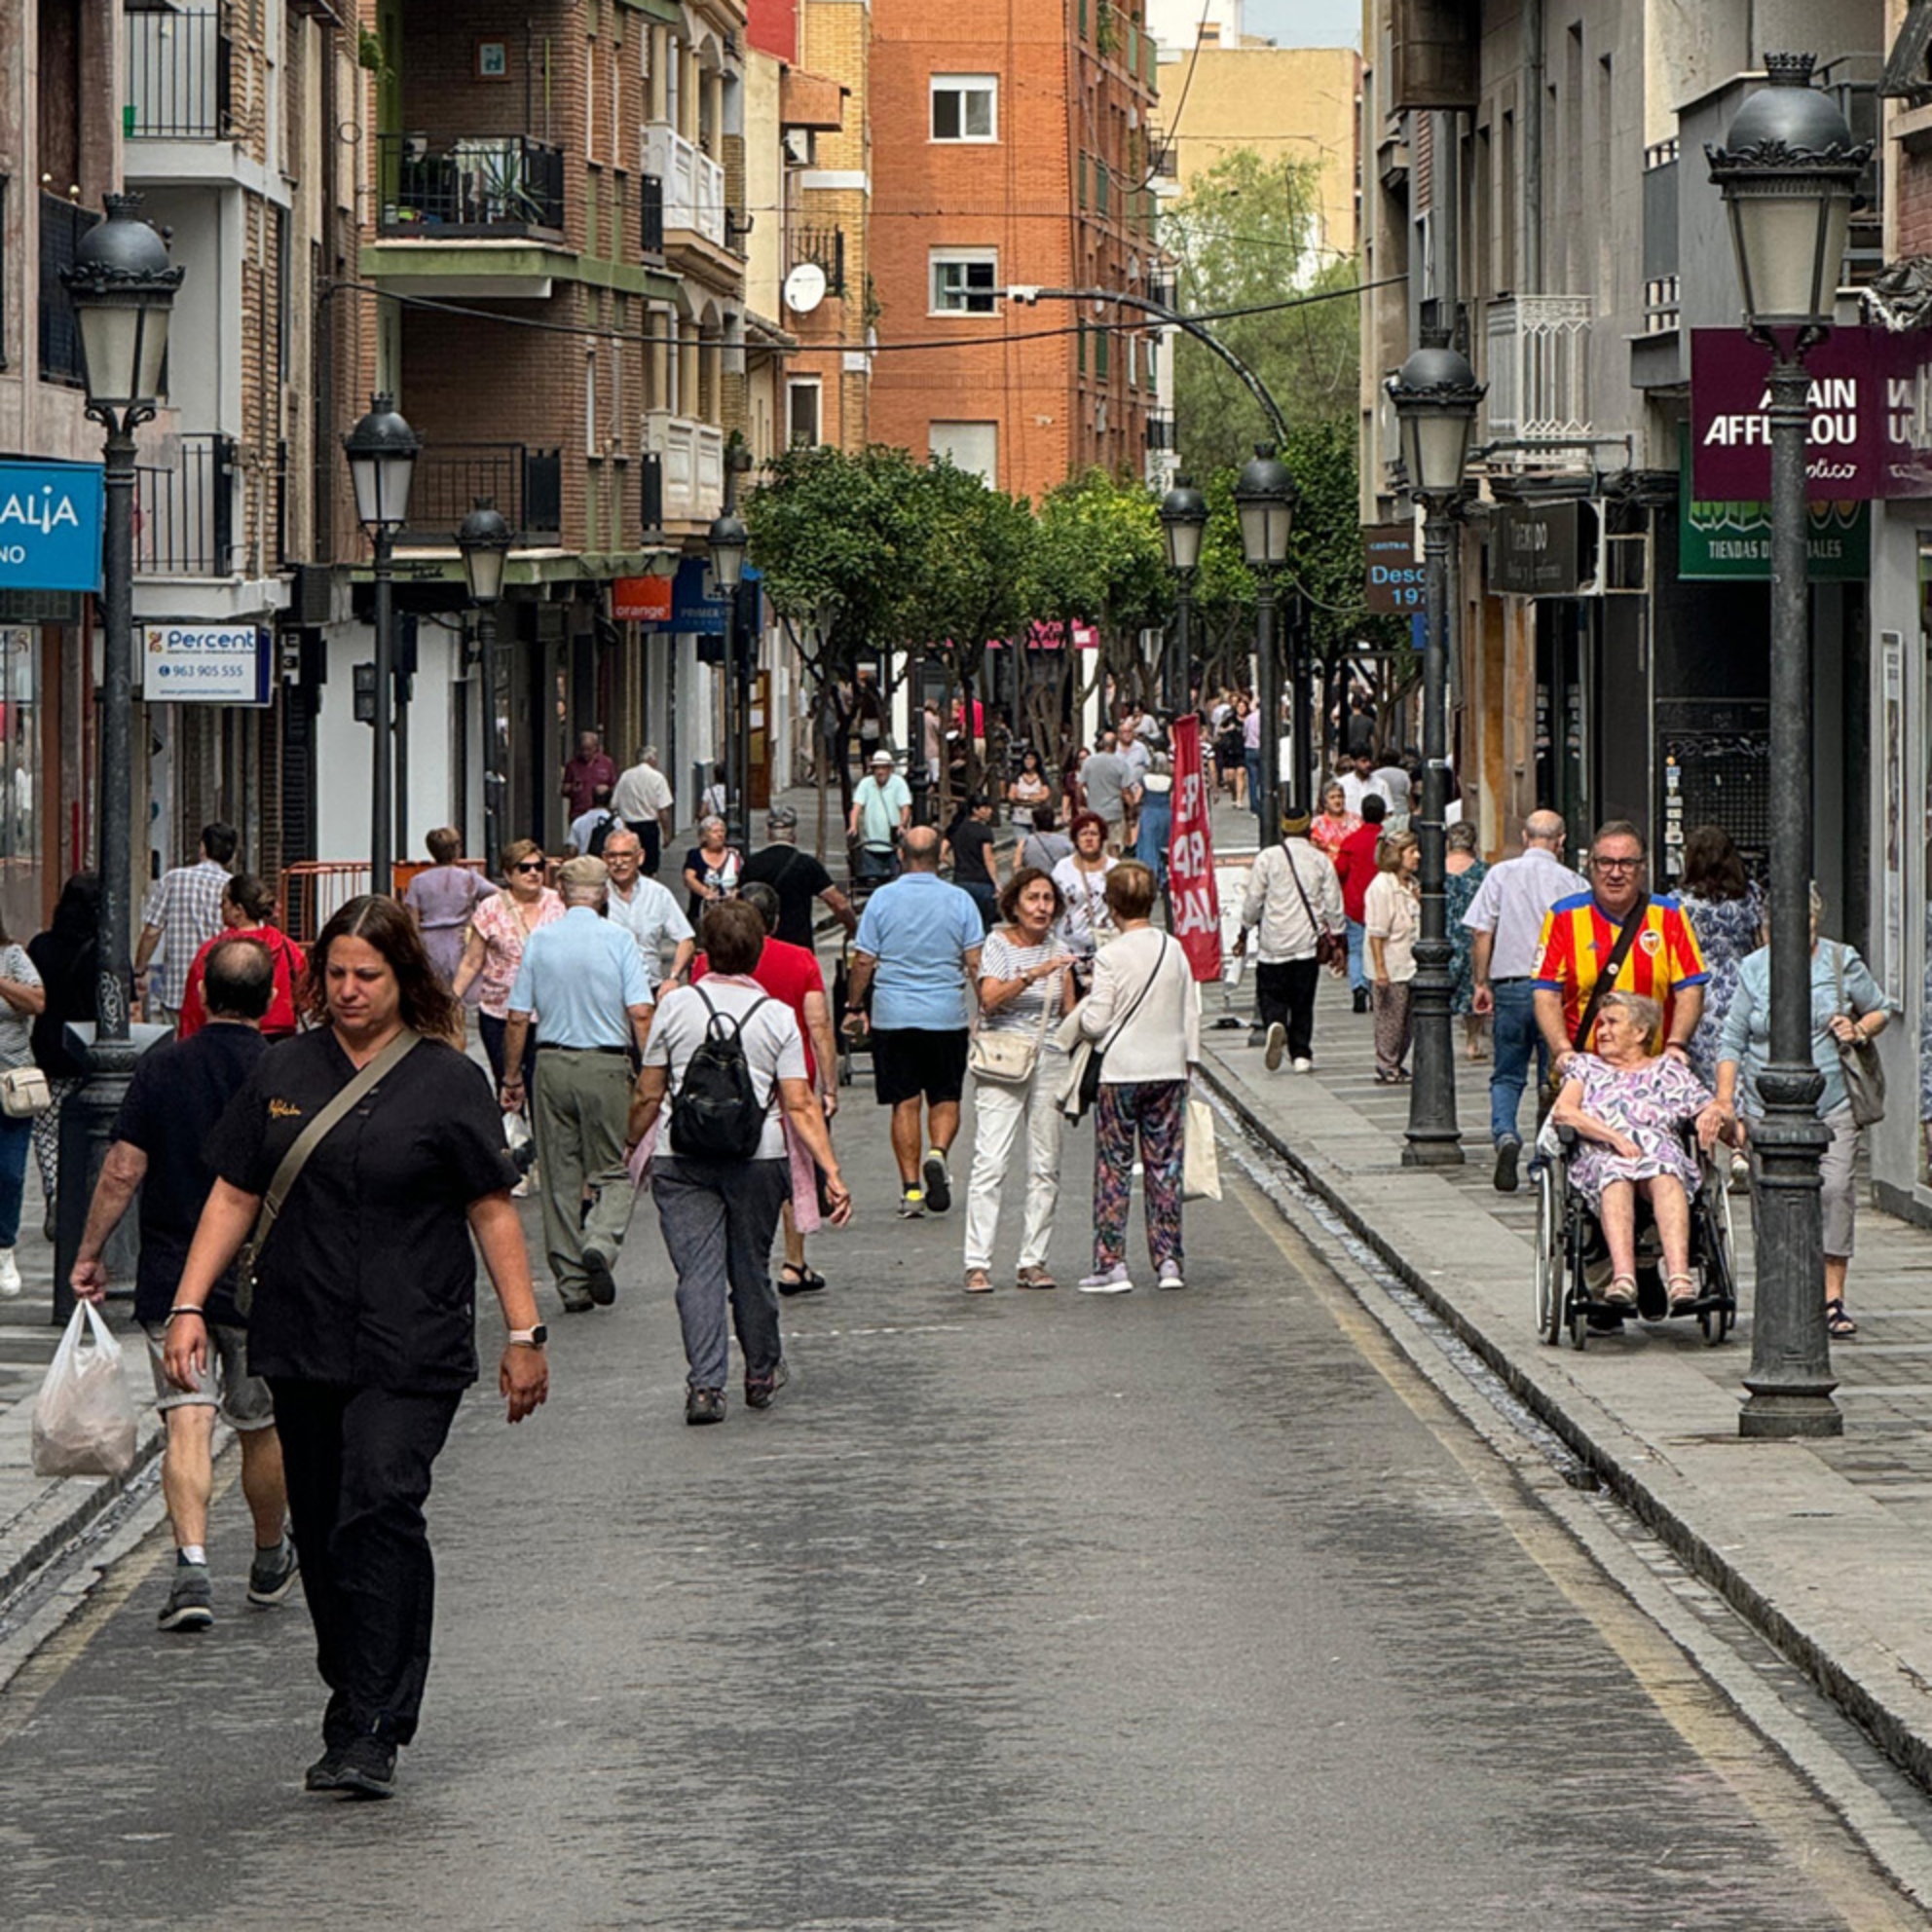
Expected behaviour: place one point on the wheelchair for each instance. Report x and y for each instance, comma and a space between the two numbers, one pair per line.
1573, 1260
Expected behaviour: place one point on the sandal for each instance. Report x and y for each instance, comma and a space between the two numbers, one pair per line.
1837, 1324
1686, 1298
1622, 1292
979, 1281
804, 1280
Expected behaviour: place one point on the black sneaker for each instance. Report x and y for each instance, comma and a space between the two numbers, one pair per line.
324, 1774
760, 1389
598, 1278
271, 1574
1508, 1153
1361, 999
939, 1183
190, 1604
704, 1405
365, 1767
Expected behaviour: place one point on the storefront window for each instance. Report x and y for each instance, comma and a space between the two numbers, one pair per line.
19, 803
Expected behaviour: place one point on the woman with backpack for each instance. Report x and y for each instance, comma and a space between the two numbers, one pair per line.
729, 1058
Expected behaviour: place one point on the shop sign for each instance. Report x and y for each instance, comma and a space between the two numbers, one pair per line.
1870, 429
640, 600
1394, 577
49, 526
207, 664
1733, 541
1537, 549
698, 608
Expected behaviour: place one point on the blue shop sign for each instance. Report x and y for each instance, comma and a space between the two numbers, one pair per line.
49, 526
697, 605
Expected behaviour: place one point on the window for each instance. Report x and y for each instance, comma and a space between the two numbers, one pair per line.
973, 446
965, 107
802, 400
965, 281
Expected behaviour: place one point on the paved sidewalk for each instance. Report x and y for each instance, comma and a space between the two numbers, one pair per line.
1826, 1547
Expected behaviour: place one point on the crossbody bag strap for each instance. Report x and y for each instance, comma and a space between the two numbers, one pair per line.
1607, 980
318, 1129
1159, 960
1294, 873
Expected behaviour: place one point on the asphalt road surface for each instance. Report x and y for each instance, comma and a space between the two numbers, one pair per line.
1166, 1610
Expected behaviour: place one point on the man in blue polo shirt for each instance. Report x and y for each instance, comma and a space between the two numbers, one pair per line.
583, 980
918, 949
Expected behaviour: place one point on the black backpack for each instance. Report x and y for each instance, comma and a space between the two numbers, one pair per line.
714, 1113
601, 831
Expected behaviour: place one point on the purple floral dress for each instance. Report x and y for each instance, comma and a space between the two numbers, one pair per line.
1650, 1103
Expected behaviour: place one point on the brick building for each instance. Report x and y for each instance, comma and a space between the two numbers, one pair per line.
1010, 147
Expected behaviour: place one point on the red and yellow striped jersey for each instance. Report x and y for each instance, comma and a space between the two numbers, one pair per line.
1577, 938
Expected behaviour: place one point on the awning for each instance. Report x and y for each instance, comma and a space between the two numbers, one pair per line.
811, 100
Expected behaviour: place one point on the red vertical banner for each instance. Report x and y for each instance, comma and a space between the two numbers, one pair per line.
1195, 900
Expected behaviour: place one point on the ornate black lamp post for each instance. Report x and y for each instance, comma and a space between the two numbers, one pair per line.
729, 540
1183, 522
1435, 394
123, 288
484, 540
1265, 499
382, 452
1788, 171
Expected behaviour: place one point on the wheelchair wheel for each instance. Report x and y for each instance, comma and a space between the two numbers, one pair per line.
1551, 1256
1720, 1269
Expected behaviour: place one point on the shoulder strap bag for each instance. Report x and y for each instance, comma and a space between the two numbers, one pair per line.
1605, 983
296, 1159
1858, 1060
1008, 1058
1088, 1090
1326, 944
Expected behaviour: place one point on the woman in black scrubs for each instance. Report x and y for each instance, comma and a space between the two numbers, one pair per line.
364, 1307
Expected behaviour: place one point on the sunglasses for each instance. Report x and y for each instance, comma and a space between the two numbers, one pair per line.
529, 865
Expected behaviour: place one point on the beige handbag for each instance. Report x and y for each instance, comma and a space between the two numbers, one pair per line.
24, 1091
1008, 1058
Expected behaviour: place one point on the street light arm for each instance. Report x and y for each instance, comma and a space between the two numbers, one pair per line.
1171, 318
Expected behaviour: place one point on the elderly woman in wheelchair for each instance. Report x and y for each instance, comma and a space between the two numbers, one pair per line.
1628, 1108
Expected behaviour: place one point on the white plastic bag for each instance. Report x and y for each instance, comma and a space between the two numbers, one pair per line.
84, 1417
1200, 1176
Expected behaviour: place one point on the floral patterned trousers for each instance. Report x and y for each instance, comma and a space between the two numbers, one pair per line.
1157, 1112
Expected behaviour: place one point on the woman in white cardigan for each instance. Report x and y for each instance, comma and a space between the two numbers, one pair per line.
1145, 1013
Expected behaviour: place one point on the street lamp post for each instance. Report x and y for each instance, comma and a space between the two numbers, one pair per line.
1183, 522
122, 289
382, 451
1265, 497
484, 540
729, 540
1436, 394
1788, 171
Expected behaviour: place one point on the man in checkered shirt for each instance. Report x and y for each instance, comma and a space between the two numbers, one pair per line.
183, 911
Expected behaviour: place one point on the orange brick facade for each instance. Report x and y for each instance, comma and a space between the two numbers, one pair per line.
1061, 195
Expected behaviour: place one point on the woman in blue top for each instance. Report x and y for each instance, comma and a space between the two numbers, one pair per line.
1847, 1004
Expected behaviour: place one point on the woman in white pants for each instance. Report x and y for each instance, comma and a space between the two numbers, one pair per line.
1025, 987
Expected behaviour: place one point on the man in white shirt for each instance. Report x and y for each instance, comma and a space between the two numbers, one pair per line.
1360, 781
647, 910
641, 799
589, 830
1507, 917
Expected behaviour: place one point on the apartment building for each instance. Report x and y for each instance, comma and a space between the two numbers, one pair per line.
218, 118
548, 276
1011, 147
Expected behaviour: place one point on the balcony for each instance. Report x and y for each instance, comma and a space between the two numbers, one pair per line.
826, 247
179, 78
1161, 433
526, 485
651, 199
1661, 287
61, 225
1539, 372
496, 187
694, 183
692, 461
184, 509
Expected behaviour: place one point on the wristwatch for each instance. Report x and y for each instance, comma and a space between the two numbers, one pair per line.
528, 1338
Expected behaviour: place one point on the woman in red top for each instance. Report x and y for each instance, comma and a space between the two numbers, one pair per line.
1356, 867
247, 911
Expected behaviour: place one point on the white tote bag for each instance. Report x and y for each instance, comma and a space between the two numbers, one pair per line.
1201, 1169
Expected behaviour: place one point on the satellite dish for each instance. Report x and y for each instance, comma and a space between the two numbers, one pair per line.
804, 289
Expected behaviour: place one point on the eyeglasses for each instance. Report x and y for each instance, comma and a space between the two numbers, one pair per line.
1617, 864
529, 865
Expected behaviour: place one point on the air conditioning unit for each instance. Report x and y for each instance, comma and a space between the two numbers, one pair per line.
801, 146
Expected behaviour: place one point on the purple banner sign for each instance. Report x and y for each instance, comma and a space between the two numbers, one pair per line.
1871, 430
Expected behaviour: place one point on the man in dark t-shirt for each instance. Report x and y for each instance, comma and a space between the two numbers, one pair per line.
179, 1091
797, 879
974, 867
